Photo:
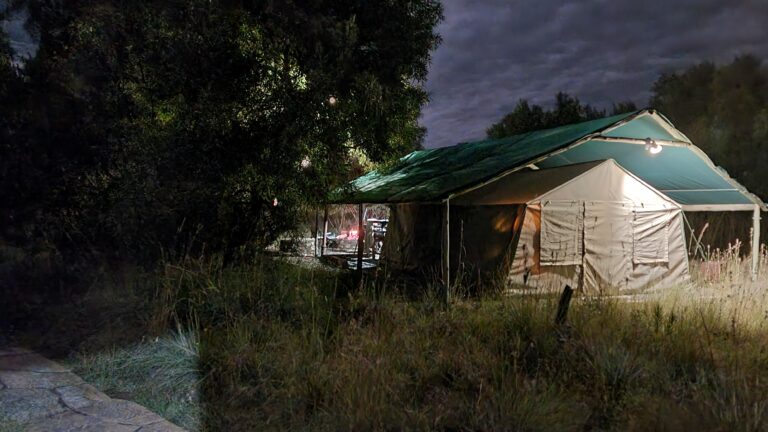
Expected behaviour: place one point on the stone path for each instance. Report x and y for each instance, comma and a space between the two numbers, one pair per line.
37, 394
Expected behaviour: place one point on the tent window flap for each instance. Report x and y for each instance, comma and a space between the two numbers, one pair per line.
562, 233
650, 231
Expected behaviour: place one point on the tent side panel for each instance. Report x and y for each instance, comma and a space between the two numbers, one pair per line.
613, 268
664, 274
412, 243
607, 246
525, 270
607, 182
480, 238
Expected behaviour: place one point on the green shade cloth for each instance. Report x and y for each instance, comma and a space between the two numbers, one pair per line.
681, 171
677, 171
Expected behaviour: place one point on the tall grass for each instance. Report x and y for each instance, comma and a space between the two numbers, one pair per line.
272, 345
161, 373
286, 347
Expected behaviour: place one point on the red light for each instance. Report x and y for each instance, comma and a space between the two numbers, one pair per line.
353, 234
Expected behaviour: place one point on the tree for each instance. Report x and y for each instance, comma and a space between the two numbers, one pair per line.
568, 109
161, 121
524, 118
723, 110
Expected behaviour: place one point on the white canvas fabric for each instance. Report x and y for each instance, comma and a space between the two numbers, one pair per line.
590, 181
562, 226
607, 245
650, 231
526, 271
632, 236
662, 274
523, 186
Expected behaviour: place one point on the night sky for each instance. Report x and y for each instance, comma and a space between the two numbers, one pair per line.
495, 52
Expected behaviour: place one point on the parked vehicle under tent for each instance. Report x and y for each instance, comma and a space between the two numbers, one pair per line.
591, 191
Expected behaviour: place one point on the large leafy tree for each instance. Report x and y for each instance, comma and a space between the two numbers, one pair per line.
156, 122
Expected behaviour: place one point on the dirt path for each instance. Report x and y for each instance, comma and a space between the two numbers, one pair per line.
37, 394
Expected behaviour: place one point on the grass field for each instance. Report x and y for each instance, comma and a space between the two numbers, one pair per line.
274, 346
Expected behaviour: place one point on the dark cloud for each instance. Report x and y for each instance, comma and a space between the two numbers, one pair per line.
21, 41
601, 51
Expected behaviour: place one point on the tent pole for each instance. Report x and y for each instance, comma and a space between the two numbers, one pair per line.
325, 231
447, 251
317, 228
360, 243
755, 241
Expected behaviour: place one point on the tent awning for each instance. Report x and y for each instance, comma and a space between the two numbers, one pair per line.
681, 170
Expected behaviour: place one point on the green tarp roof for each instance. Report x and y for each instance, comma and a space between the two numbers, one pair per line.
681, 170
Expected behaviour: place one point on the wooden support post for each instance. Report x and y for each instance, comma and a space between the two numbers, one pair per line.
447, 251
314, 233
562, 307
360, 242
325, 231
755, 241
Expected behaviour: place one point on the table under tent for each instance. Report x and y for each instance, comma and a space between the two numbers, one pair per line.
596, 204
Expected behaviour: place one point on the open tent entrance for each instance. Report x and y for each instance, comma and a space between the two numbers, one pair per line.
346, 233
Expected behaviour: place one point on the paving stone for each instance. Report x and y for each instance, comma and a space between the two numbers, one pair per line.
30, 362
23, 405
71, 421
80, 396
47, 397
39, 380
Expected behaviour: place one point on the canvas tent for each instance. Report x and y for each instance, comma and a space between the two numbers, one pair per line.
440, 177
590, 225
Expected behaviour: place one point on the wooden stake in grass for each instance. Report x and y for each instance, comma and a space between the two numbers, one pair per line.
562, 307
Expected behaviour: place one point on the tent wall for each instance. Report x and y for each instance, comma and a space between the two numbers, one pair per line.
676, 269
625, 248
480, 238
413, 239
526, 269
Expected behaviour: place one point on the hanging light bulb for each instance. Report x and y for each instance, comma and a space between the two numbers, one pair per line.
652, 146
332, 100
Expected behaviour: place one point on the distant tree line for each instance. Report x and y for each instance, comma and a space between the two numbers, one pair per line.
527, 117
723, 109
148, 126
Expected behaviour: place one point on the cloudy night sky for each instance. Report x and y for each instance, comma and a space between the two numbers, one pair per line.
495, 52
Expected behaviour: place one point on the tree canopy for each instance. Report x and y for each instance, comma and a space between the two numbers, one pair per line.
143, 125
527, 117
723, 110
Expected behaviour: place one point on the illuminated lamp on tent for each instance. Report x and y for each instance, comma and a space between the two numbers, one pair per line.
652, 146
